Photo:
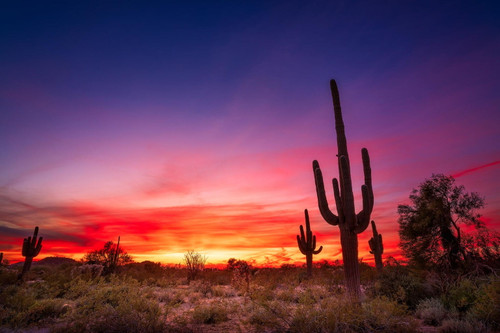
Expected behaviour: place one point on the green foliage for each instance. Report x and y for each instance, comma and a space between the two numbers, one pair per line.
336, 314
462, 326
398, 283
112, 307
462, 296
432, 311
212, 313
486, 308
429, 227
144, 271
110, 256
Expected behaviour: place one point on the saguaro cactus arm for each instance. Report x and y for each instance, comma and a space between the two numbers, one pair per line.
363, 217
31, 248
324, 209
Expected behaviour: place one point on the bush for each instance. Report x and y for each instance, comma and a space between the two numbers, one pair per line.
212, 313
432, 311
462, 296
487, 305
43, 311
462, 326
397, 282
112, 307
340, 315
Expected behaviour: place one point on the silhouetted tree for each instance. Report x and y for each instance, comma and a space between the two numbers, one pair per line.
241, 273
195, 263
429, 227
110, 256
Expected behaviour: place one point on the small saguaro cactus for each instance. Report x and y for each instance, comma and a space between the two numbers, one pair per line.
1, 258
114, 260
350, 223
31, 248
376, 247
307, 244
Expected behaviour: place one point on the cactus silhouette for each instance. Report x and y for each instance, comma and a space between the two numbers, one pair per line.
307, 244
31, 248
350, 223
115, 256
376, 247
1, 258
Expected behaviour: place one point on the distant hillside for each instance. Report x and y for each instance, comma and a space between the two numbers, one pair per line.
49, 261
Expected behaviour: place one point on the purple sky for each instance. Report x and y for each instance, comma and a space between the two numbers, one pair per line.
194, 126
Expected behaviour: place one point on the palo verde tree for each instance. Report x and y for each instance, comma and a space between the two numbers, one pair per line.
429, 227
110, 256
307, 244
195, 264
350, 223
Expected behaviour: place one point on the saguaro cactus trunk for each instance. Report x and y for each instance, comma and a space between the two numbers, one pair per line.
31, 248
350, 223
307, 244
376, 247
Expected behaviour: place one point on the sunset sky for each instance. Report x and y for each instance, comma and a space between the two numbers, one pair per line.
193, 125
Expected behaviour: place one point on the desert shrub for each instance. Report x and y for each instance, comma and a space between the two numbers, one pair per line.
398, 283
146, 271
308, 318
203, 287
222, 291
171, 298
217, 277
211, 313
7, 276
385, 315
113, 306
87, 271
340, 315
462, 296
287, 295
432, 311
263, 318
462, 326
14, 300
487, 305
307, 297
42, 312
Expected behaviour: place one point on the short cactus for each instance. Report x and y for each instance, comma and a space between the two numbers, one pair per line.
31, 248
307, 244
376, 247
1, 258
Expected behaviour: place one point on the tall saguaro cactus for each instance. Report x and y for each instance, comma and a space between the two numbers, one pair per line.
376, 247
307, 244
31, 248
350, 223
